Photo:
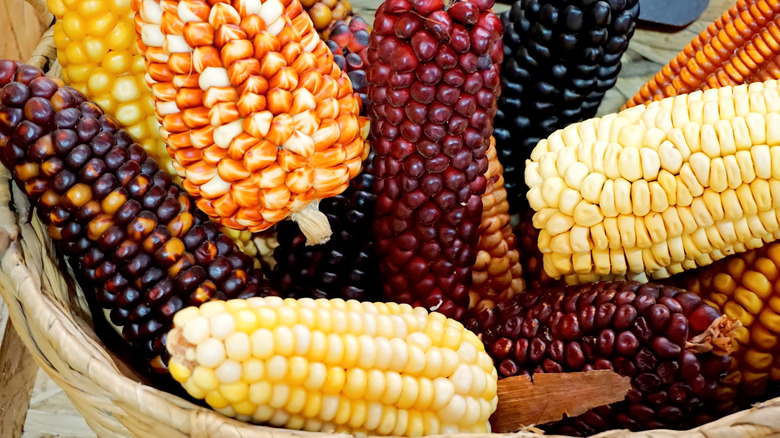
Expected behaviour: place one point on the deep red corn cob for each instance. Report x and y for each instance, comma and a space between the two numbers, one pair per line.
560, 57
433, 82
647, 332
344, 267
144, 248
348, 41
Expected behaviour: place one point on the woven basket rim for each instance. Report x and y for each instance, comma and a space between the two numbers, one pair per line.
26, 252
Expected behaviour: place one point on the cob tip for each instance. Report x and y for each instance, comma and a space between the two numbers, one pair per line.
718, 338
313, 224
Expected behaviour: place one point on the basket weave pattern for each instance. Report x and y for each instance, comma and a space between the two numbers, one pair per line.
47, 309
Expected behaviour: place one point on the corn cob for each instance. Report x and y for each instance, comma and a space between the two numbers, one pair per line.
324, 13
348, 41
141, 243
531, 259
497, 273
335, 366
745, 287
559, 60
674, 348
740, 47
433, 82
344, 267
96, 47
260, 121
662, 189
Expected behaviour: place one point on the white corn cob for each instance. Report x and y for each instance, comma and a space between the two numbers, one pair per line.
660, 189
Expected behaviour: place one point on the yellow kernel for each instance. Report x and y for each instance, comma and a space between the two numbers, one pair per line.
343, 412
749, 300
410, 391
216, 400
324, 321
193, 389
737, 312
356, 383
253, 370
262, 344
284, 341
260, 393
352, 350
393, 387
281, 393
245, 407
431, 423
298, 369
245, 321
117, 62
95, 49
296, 402
263, 414
234, 392
100, 26
416, 362
276, 369
313, 405
205, 378
74, 26
388, 421
757, 283
758, 360
334, 382
335, 350
128, 114
375, 385
178, 371
359, 414
266, 317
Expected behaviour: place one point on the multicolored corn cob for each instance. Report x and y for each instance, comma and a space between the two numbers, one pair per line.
324, 13
344, 267
559, 60
745, 287
348, 41
497, 273
141, 243
335, 366
660, 189
740, 47
674, 347
433, 83
261, 122
96, 47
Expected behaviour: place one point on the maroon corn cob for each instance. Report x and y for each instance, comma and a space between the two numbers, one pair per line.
647, 332
142, 246
433, 83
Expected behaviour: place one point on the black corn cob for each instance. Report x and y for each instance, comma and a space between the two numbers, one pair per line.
141, 244
345, 266
560, 57
646, 332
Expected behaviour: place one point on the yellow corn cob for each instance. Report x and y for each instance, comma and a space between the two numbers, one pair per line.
497, 273
96, 47
659, 189
260, 121
745, 287
335, 366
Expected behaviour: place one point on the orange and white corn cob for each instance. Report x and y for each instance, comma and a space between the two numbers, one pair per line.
335, 366
739, 47
260, 121
497, 273
660, 189
96, 47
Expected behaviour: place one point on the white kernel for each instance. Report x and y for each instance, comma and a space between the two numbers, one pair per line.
228, 372
210, 353
196, 330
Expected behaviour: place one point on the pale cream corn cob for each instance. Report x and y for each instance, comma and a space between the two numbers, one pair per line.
497, 274
659, 189
96, 47
335, 366
260, 121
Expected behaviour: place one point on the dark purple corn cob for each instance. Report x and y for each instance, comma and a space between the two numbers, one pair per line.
560, 57
433, 82
141, 245
646, 332
345, 266
348, 41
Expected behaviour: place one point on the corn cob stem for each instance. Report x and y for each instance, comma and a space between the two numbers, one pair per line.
142, 244
661, 189
674, 347
335, 366
258, 118
739, 47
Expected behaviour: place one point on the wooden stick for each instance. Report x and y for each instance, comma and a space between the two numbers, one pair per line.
523, 402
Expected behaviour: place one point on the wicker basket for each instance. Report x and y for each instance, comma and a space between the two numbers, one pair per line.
48, 310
